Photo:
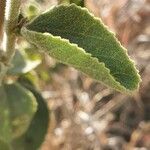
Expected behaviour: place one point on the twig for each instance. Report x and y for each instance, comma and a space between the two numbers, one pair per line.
10, 23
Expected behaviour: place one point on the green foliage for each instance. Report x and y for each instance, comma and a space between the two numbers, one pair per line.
22, 107
32, 10
22, 64
4, 145
21, 126
35, 134
18, 106
5, 127
78, 2
73, 36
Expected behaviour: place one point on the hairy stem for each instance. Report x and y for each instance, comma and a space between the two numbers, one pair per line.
10, 23
2, 7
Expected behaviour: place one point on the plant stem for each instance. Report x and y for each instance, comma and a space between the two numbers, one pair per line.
10, 23
2, 7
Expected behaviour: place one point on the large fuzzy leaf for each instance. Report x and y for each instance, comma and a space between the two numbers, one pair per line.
73, 36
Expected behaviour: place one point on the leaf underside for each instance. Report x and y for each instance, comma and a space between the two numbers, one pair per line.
73, 36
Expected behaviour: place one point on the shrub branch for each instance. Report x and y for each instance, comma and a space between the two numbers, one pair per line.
10, 23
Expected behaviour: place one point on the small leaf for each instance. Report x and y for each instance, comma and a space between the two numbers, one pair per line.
73, 36
31, 10
22, 64
22, 107
78, 2
37, 130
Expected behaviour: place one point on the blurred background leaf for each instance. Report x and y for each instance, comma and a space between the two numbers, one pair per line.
77, 2
5, 126
38, 128
4, 146
22, 107
23, 62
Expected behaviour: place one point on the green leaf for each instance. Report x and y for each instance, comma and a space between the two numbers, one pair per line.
22, 107
4, 146
17, 108
5, 127
37, 130
22, 64
78, 2
31, 10
73, 36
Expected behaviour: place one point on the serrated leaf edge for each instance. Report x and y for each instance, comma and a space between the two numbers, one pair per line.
25, 31
124, 89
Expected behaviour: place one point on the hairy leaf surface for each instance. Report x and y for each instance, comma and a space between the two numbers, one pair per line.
73, 36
